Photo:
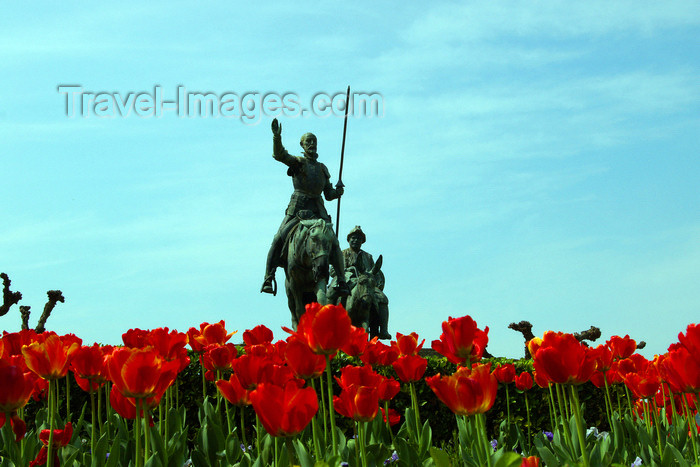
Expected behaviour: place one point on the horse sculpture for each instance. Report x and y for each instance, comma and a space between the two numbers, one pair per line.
306, 267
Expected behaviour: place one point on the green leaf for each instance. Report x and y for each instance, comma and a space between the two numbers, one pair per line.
199, 459
426, 437
113, 460
677, 454
440, 457
507, 459
99, 457
303, 455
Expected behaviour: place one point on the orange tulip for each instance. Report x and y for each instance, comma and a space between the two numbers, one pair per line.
49, 359
466, 392
532, 461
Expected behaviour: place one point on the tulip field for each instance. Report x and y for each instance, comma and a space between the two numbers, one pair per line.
326, 395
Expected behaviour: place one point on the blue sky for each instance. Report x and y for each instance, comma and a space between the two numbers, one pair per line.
534, 161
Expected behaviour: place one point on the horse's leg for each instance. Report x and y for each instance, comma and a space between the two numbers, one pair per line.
292, 302
321, 296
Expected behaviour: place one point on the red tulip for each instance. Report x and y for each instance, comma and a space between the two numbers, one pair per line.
304, 363
388, 388
394, 416
170, 345
209, 334
562, 359
357, 343
258, 335
378, 353
691, 341
219, 358
60, 438
49, 359
505, 373
466, 392
16, 387
410, 368
88, 366
140, 373
523, 381
252, 370
360, 403
461, 340
284, 411
681, 370
407, 344
135, 338
359, 398
643, 385
233, 391
621, 347
358, 376
325, 329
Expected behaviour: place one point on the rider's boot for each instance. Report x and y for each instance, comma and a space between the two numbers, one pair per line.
384, 322
269, 284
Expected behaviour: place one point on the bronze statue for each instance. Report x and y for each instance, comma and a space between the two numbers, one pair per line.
310, 179
367, 304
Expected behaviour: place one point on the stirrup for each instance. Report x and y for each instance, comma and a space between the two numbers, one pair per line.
272, 285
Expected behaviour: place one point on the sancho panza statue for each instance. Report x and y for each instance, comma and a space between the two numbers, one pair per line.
359, 265
310, 178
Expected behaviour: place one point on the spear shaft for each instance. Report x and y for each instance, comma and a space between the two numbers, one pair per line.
342, 157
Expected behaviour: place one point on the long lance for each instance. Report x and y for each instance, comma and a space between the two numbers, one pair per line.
342, 156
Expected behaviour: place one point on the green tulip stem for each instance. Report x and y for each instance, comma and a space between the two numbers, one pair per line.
324, 413
529, 434
331, 411
388, 425
414, 403
658, 428
52, 420
507, 402
137, 433
245, 444
692, 427
552, 408
564, 419
204, 381
258, 434
93, 440
608, 403
362, 432
579, 424
68, 397
481, 424
290, 451
146, 433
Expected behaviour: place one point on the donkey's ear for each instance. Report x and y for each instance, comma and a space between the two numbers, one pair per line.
377, 265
